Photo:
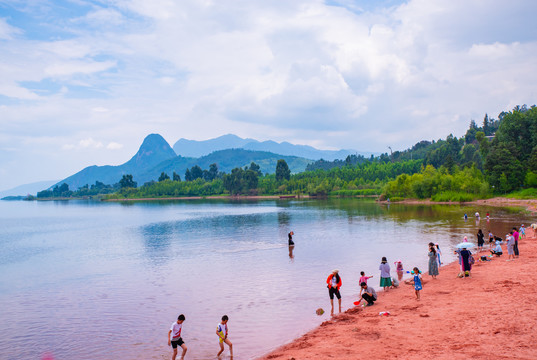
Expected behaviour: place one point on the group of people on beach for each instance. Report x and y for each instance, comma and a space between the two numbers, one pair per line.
511, 241
175, 339
466, 260
367, 292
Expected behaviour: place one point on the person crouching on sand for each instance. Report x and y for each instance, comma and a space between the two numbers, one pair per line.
368, 294
498, 250
221, 331
334, 284
385, 277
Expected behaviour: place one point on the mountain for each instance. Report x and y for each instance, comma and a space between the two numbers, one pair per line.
32, 189
195, 148
153, 151
226, 160
156, 156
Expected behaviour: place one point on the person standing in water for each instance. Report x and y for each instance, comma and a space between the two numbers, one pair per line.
221, 331
290, 235
334, 284
174, 337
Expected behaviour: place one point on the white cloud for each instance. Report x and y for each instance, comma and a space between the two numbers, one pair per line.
7, 31
114, 146
300, 71
77, 67
88, 143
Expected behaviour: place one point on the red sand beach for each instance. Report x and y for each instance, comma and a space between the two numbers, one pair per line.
491, 315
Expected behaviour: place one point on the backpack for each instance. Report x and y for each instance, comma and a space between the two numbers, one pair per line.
471, 260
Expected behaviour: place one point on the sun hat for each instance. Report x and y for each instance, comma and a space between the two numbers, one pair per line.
335, 271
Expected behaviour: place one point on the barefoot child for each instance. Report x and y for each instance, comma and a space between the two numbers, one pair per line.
417, 282
221, 331
176, 339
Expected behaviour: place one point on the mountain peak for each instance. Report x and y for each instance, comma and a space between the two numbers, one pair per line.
154, 149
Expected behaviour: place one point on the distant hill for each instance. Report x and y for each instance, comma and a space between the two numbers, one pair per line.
156, 156
153, 151
195, 148
23, 190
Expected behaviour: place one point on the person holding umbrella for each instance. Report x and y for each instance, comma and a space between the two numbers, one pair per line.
465, 257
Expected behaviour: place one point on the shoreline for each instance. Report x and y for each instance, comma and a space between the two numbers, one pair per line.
529, 204
487, 316
236, 197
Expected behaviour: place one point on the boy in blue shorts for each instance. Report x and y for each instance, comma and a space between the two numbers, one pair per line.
176, 340
221, 331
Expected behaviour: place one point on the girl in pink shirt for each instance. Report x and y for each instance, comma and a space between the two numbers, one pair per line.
364, 278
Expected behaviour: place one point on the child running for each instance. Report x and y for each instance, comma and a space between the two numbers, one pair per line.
417, 282
176, 339
221, 331
363, 278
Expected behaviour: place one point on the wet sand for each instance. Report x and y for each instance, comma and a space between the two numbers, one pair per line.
490, 315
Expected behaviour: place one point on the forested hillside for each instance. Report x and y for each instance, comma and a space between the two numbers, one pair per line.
498, 156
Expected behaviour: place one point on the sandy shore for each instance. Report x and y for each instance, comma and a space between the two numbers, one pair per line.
491, 315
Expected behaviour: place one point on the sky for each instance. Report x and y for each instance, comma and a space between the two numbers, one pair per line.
83, 82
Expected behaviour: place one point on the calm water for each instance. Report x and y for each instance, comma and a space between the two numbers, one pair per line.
86, 280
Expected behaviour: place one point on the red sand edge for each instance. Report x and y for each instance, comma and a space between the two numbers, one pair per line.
490, 315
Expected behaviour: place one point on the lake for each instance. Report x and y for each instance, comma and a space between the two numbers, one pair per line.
95, 280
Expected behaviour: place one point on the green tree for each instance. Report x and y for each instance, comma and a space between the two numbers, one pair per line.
188, 175
484, 144
282, 171
256, 168
127, 182
163, 176
196, 172
176, 177
501, 160
532, 160
213, 172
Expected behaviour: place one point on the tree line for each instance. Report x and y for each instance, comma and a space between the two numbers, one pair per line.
497, 157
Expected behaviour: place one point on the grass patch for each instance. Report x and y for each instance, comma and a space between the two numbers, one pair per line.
530, 193
357, 192
453, 196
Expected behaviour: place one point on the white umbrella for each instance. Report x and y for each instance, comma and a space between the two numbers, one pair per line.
465, 245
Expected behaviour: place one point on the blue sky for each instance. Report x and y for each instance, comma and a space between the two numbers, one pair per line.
83, 82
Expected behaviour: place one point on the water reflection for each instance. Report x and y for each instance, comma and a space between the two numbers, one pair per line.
100, 263
157, 240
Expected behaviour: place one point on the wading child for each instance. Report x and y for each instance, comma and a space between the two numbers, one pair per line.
417, 282
221, 331
176, 340
363, 278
